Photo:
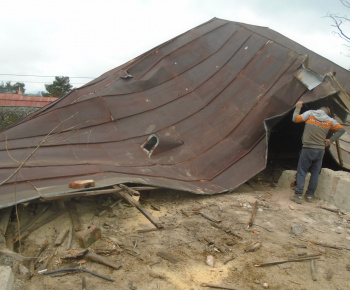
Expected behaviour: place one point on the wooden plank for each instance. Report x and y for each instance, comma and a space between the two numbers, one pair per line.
102, 260
167, 257
136, 204
251, 221
4, 219
74, 216
81, 194
37, 225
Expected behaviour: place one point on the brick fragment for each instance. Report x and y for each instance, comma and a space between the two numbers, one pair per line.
82, 184
88, 237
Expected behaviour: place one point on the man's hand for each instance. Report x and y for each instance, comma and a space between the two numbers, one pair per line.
327, 142
299, 104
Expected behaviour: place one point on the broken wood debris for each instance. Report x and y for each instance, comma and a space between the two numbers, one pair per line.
251, 221
329, 274
210, 217
83, 283
70, 237
327, 245
136, 204
77, 270
61, 236
253, 247
4, 219
338, 211
313, 270
167, 257
285, 261
102, 260
229, 260
226, 230
35, 264
186, 213
24, 227
74, 216
14, 255
217, 286
74, 254
129, 190
89, 236
155, 229
109, 208
38, 224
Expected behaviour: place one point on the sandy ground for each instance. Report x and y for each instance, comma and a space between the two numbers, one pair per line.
175, 258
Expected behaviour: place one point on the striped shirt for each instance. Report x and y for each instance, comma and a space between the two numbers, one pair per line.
317, 126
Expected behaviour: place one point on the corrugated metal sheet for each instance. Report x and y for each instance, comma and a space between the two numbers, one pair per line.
188, 114
16, 100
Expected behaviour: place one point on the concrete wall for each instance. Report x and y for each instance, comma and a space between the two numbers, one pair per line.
9, 115
333, 186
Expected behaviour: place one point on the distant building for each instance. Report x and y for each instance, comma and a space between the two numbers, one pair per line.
14, 107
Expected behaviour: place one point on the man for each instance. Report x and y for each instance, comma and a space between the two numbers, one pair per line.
317, 126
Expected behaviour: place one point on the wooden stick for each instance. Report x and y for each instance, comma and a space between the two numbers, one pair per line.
217, 286
4, 219
60, 238
251, 221
35, 263
229, 260
210, 218
129, 190
70, 237
313, 270
33, 220
136, 204
38, 225
332, 210
102, 260
154, 229
167, 257
10, 242
285, 261
326, 245
74, 217
81, 194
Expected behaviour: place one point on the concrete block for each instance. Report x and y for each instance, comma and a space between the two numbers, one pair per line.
6, 278
88, 237
333, 186
287, 177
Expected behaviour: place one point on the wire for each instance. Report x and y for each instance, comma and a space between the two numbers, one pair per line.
44, 76
40, 82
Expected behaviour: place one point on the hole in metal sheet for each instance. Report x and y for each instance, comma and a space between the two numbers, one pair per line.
150, 144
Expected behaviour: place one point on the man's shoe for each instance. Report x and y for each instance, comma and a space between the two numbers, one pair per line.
297, 198
309, 198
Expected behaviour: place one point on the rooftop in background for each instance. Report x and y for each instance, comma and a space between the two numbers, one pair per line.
17, 100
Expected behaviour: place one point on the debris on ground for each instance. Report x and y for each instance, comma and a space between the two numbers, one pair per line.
174, 240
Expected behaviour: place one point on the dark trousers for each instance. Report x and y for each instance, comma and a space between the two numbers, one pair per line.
310, 160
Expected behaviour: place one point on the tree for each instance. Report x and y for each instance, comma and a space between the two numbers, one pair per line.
339, 23
59, 88
7, 87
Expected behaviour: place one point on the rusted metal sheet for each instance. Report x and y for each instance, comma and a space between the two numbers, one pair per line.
188, 115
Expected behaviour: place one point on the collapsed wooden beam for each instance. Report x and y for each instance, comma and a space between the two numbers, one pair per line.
124, 194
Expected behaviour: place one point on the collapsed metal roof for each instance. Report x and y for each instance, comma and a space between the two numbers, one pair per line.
192, 114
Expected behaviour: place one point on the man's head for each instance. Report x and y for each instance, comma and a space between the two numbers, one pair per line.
326, 110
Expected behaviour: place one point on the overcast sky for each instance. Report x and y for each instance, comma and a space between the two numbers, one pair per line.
79, 38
